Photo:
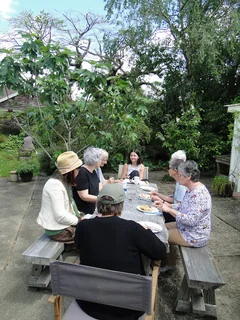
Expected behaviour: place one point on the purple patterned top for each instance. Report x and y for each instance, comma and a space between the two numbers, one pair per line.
194, 216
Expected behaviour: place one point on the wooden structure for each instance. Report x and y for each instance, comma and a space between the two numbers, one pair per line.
234, 172
40, 254
223, 164
114, 288
196, 294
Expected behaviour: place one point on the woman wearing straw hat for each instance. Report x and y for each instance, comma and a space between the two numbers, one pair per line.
59, 215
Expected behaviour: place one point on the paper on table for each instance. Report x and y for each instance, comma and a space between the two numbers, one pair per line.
154, 227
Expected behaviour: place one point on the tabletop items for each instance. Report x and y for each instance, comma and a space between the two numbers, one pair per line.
133, 202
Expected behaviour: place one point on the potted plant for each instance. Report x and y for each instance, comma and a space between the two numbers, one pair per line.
25, 170
222, 186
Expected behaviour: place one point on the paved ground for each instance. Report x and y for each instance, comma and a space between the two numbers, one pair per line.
20, 203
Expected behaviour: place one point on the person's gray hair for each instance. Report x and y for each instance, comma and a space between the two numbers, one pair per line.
104, 153
177, 158
190, 168
92, 155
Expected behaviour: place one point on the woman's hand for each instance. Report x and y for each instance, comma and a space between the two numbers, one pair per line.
158, 203
162, 205
155, 198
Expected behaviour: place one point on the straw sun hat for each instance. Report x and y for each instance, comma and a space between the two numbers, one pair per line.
68, 161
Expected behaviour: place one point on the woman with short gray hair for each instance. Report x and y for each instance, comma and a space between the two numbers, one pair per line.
177, 158
193, 215
87, 182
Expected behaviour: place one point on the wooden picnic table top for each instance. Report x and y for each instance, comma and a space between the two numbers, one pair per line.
130, 211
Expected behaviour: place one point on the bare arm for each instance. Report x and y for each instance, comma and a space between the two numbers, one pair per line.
124, 171
141, 172
155, 195
85, 196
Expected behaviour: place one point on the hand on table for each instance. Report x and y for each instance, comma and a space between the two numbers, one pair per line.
159, 203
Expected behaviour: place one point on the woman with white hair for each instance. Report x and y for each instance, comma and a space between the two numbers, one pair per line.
177, 158
104, 161
59, 215
88, 184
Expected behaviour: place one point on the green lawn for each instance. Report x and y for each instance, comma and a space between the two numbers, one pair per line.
8, 161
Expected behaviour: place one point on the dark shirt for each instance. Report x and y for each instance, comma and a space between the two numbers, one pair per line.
86, 180
116, 244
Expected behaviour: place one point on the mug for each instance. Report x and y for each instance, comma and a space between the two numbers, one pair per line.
136, 180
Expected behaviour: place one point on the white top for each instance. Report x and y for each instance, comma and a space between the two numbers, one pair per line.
100, 175
56, 211
131, 168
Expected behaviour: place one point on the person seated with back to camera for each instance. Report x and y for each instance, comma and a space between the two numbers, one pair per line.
88, 184
133, 167
192, 227
180, 190
109, 242
58, 214
104, 161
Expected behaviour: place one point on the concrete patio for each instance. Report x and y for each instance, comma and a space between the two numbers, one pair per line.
20, 204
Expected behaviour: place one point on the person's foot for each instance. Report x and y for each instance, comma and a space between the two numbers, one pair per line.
167, 268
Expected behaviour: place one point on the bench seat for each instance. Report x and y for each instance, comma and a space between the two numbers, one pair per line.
40, 254
196, 294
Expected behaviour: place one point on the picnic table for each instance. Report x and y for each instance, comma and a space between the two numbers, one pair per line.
130, 211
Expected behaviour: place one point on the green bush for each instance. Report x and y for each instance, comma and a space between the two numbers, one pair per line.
27, 167
47, 165
11, 142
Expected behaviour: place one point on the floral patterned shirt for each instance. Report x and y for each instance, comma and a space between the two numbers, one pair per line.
193, 218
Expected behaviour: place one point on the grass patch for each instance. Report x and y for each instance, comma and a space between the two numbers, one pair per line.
8, 161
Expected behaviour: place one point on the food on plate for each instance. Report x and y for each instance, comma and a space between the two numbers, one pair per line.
145, 208
145, 196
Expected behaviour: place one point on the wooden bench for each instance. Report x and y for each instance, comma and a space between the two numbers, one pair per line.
196, 294
40, 254
223, 164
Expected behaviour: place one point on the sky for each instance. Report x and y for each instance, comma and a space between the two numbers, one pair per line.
11, 8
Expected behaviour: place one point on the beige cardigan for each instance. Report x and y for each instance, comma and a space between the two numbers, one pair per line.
56, 210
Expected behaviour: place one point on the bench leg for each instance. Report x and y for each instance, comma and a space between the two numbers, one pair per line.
210, 302
182, 303
191, 300
35, 274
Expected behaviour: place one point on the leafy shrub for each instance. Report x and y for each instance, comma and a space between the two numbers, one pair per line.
3, 139
11, 142
47, 165
27, 167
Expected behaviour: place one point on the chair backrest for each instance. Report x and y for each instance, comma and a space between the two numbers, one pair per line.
120, 166
115, 288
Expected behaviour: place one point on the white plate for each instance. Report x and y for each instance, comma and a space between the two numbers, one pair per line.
143, 183
145, 197
154, 227
153, 210
147, 188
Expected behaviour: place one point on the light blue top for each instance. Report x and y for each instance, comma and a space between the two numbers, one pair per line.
179, 193
100, 175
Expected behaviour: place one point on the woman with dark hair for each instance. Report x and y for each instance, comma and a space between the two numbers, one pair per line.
109, 242
59, 215
193, 215
133, 167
